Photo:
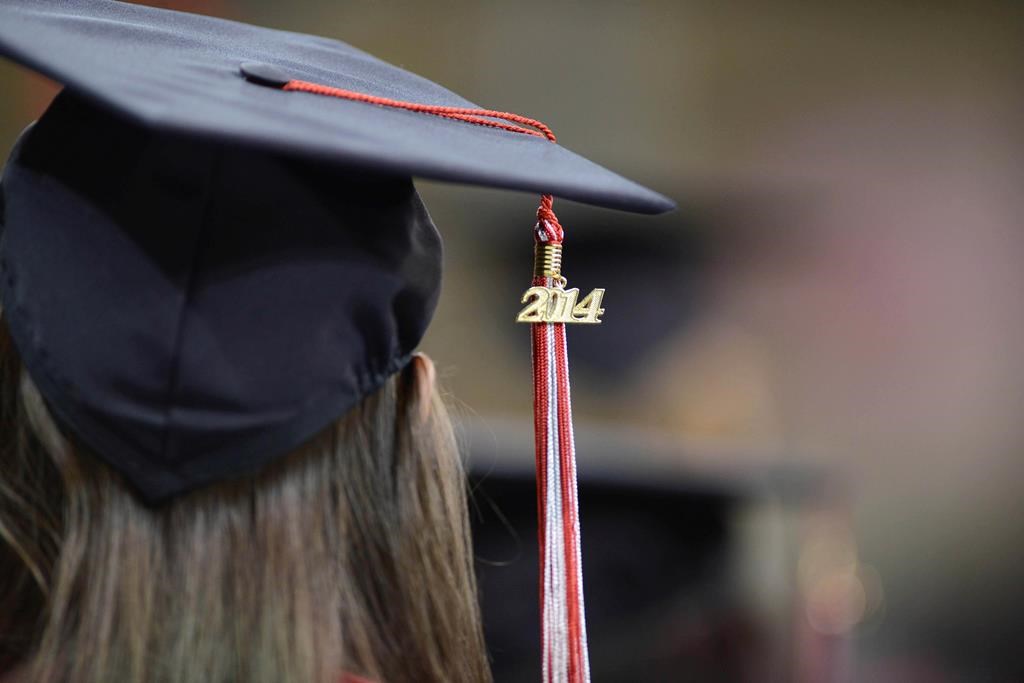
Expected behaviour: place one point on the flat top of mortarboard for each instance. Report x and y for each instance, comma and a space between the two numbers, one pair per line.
183, 72
656, 464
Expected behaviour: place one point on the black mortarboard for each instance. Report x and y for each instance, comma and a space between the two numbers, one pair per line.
181, 72
663, 547
201, 271
201, 267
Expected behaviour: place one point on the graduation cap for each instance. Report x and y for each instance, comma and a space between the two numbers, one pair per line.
212, 248
667, 524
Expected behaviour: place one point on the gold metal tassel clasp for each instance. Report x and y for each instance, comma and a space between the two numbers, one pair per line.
557, 304
547, 260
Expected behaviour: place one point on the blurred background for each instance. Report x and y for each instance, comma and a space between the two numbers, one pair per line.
802, 423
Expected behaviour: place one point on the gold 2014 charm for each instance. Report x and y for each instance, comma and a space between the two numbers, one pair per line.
557, 305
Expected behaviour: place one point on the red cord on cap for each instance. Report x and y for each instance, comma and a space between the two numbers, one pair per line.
514, 123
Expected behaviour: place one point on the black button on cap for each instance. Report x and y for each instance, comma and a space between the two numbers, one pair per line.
265, 74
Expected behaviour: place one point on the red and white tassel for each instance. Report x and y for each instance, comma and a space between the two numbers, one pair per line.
565, 658
564, 628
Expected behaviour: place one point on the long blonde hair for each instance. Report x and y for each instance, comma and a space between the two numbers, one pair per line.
351, 554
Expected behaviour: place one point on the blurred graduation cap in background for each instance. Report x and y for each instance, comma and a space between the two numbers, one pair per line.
668, 560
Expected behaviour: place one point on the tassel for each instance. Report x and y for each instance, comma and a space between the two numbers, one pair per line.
563, 626
564, 656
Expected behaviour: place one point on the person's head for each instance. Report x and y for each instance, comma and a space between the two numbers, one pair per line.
220, 457
349, 554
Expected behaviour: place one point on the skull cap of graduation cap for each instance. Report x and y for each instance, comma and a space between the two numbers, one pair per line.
192, 310
201, 270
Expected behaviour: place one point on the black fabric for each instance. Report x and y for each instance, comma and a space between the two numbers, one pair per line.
191, 310
181, 72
